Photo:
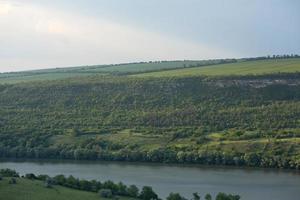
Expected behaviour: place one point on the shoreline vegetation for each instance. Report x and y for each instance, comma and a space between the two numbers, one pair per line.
106, 190
232, 120
167, 164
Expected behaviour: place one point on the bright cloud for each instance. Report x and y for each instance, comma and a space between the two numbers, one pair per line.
5, 8
35, 36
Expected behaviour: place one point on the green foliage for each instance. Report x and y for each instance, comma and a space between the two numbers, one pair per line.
223, 196
133, 191
208, 197
175, 196
233, 120
196, 196
105, 193
148, 194
8, 173
30, 176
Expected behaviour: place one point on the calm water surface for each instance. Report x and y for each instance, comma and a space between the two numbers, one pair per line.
251, 184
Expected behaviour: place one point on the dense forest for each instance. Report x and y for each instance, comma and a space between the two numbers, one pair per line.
229, 120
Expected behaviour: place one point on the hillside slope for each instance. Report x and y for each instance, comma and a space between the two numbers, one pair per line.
230, 120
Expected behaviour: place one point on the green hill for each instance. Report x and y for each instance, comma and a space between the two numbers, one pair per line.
251, 120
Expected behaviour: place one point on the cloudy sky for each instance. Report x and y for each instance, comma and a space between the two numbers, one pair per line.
57, 33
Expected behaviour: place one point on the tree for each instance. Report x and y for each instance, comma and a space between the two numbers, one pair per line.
196, 196
147, 193
8, 173
105, 193
30, 176
223, 196
133, 191
48, 183
72, 182
175, 196
208, 197
85, 185
60, 179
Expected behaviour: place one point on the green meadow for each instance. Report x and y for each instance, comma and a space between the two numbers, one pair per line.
239, 68
35, 190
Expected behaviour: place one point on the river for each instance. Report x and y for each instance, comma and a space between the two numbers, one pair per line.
251, 184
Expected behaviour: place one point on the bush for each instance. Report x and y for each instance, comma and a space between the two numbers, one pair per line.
12, 181
175, 196
48, 183
223, 196
8, 173
133, 191
208, 197
148, 194
42, 177
105, 193
30, 176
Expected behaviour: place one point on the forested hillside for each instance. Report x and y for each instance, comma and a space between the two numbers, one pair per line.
251, 120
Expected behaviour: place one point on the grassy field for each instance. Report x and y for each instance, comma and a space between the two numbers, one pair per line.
240, 68
158, 69
62, 73
34, 190
149, 66
40, 77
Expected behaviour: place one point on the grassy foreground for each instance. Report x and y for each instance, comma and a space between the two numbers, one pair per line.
35, 190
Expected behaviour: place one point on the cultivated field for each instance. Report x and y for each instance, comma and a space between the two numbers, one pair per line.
239, 68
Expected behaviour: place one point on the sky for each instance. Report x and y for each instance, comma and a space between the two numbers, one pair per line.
37, 34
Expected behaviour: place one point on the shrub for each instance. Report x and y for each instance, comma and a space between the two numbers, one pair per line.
175, 196
105, 193
48, 183
8, 173
12, 181
148, 194
30, 176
